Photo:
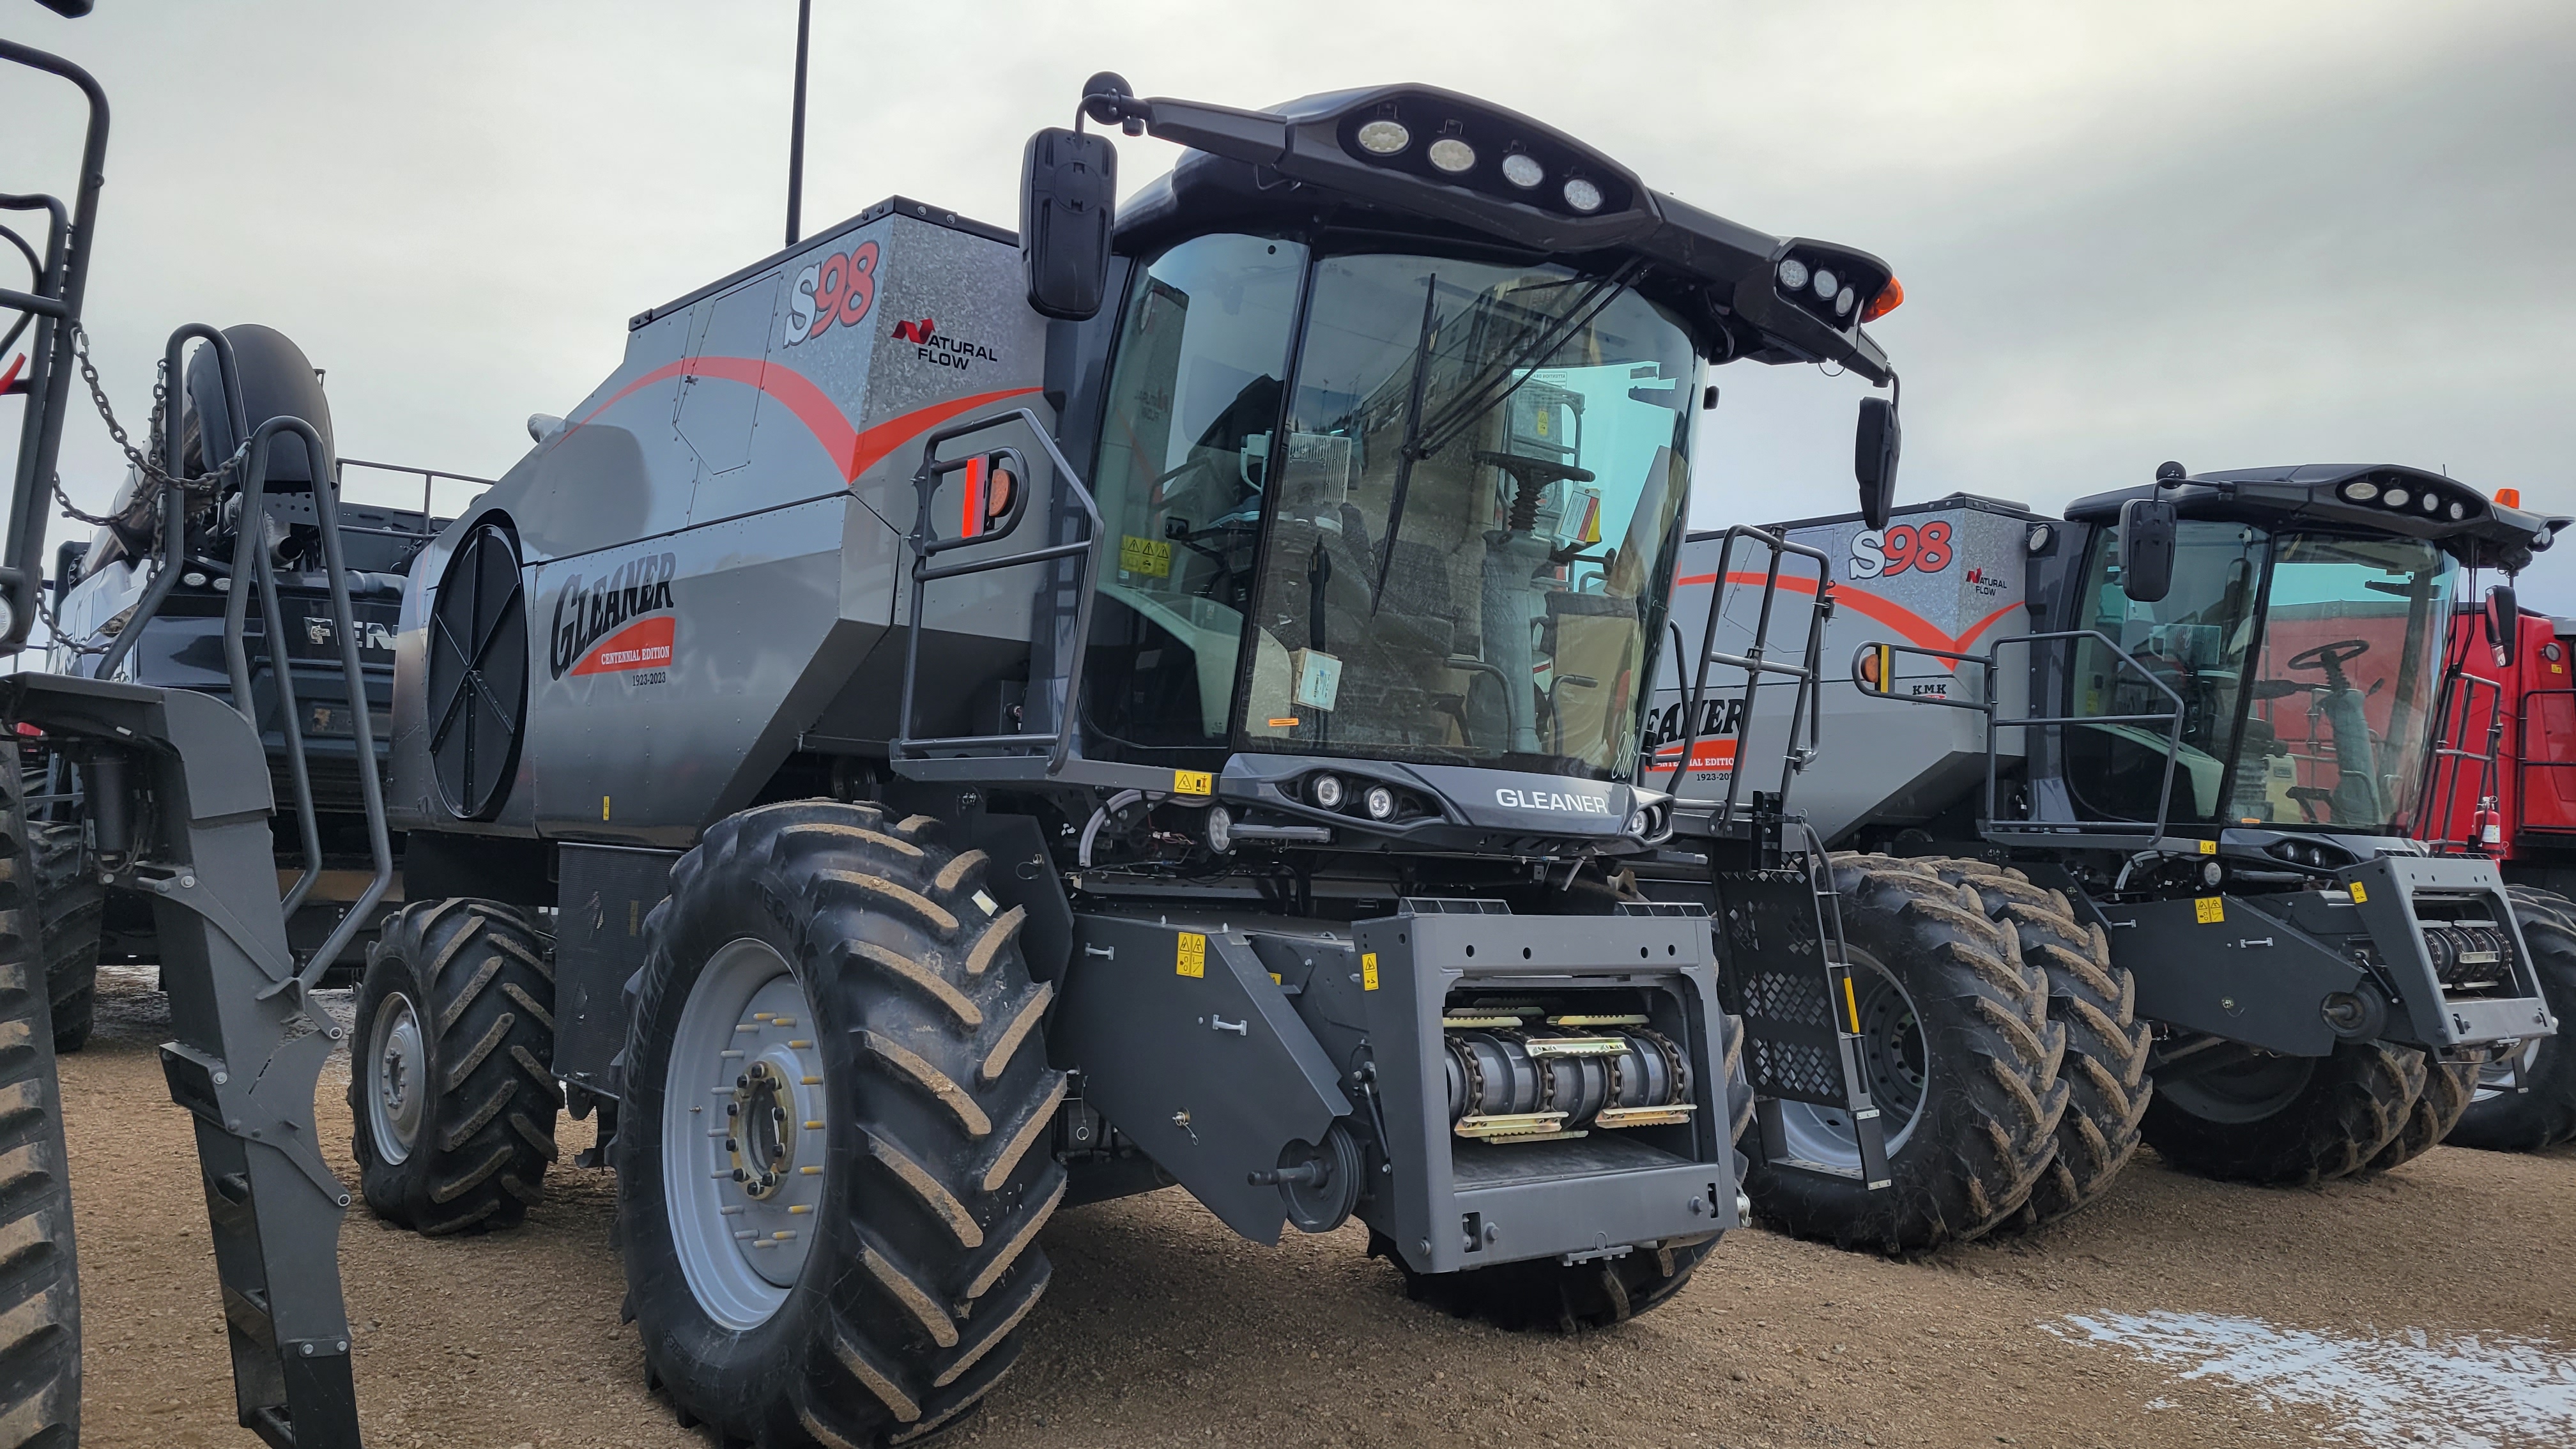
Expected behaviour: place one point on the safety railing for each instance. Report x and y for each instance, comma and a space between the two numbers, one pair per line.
1806, 711
1874, 673
428, 483
2456, 759
926, 544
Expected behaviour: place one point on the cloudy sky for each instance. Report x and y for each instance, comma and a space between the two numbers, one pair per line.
2231, 233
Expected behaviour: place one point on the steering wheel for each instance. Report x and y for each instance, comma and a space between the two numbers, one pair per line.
2332, 658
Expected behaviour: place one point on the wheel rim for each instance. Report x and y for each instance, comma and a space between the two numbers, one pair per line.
742, 1143
478, 675
2503, 1076
1895, 1062
2248, 1090
397, 1080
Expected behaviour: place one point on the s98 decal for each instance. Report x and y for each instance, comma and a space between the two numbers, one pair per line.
838, 289
1877, 553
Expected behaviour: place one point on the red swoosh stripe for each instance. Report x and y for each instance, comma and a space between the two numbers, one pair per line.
852, 450
1917, 630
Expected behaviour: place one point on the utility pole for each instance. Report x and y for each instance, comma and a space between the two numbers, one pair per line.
796, 126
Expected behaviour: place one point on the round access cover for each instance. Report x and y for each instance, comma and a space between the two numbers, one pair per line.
478, 675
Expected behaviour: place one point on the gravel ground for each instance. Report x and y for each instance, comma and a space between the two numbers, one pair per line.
1163, 1328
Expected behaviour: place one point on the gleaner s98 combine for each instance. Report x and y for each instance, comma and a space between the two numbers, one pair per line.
2177, 741
896, 831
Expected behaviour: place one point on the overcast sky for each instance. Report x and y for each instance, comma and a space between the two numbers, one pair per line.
2233, 234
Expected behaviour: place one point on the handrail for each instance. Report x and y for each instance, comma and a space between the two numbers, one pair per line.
174, 506
56, 305
326, 513
1809, 702
428, 480
2069, 832
926, 544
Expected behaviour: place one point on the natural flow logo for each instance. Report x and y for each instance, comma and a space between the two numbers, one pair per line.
615, 624
939, 349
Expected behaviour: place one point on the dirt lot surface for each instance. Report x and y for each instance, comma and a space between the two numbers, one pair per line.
2418, 1308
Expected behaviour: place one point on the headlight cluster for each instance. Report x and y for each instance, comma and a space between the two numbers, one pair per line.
1840, 290
2309, 853
1371, 800
1435, 138
2413, 496
1651, 822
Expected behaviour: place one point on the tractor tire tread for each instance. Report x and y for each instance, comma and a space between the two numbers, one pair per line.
485, 1003
925, 1258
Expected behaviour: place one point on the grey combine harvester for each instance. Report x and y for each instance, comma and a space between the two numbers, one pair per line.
962, 724
2172, 746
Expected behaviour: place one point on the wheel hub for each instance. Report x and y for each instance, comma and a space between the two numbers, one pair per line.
397, 1095
743, 1127
1895, 1064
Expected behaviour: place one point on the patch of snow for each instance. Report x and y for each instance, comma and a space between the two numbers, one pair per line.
2400, 1392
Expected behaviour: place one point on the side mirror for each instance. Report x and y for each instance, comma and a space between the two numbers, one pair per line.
1874, 449
2146, 549
1068, 198
2504, 625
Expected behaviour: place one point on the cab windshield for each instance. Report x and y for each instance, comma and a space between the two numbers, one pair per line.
2309, 669
1448, 539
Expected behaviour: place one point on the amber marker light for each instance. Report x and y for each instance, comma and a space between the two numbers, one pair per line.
1889, 298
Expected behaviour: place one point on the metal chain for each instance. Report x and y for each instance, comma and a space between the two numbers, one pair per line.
226, 472
209, 482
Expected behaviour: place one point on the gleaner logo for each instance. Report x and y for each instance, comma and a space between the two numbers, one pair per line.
1552, 800
592, 632
935, 347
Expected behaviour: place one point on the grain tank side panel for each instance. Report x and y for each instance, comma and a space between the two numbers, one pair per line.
1945, 575
711, 547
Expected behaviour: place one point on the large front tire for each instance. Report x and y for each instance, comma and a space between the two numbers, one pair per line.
40, 1378
890, 1139
2526, 1099
1963, 1066
2285, 1121
2096, 1001
452, 1092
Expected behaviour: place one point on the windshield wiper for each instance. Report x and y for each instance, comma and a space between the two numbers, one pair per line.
1472, 402
1404, 451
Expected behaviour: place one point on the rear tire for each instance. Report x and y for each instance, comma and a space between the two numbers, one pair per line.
1969, 1092
452, 1092
40, 1377
894, 1304
2287, 1121
2106, 1045
2527, 1100
71, 910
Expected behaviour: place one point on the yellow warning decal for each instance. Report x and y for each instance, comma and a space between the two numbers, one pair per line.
1193, 782
1368, 971
1851, 1003
1148, 556
2360, 897
2207, 910
1193, 955
2209, 847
